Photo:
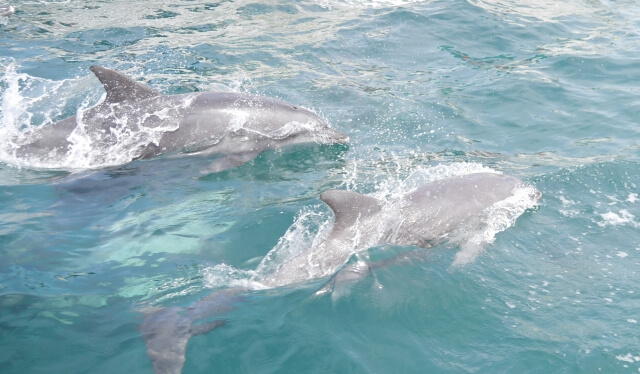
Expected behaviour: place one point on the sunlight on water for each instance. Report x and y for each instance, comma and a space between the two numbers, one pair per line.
546, 10
329, 4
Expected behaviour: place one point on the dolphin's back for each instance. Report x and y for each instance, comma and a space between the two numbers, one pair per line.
436, 208
478, 189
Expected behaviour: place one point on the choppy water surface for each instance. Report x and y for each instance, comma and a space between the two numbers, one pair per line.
546, 91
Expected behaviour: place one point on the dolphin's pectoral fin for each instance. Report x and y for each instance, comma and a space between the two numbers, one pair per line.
229, 162
340, 283
349, 206
120, 88
207, 327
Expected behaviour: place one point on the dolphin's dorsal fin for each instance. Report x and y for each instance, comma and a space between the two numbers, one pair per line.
349, 206
121, 88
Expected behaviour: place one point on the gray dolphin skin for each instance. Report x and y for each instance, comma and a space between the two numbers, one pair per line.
421, 218
167, 331
6, 10
234, 125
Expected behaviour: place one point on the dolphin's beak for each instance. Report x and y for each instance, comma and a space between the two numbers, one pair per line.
337, 137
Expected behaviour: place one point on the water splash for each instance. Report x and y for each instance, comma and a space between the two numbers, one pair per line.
223, 276
481, 230
14, 114
309, 228
29, 103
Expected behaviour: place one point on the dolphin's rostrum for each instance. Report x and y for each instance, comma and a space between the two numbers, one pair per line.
135, 121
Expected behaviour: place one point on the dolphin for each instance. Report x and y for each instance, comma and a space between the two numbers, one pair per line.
423, 218
137, 122
6, 10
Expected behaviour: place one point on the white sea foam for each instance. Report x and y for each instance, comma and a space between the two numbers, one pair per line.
628, 358
567, 205
309, 228
29, 103
223, 275
488, 223
623, 217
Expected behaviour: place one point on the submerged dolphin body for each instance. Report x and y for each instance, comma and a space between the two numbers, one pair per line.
134, 121
167, 331
421, 218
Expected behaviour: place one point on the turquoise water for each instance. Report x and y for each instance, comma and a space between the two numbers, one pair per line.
546, 91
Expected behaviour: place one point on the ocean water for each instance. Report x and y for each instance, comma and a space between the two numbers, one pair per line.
546, 91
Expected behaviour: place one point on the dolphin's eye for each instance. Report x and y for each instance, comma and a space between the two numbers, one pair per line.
295, 107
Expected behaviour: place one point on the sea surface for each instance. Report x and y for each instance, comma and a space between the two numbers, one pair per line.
547, 91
